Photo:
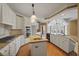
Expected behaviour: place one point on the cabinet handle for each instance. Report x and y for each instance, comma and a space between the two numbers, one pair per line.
36, 46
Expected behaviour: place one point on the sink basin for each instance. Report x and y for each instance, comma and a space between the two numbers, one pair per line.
6, 39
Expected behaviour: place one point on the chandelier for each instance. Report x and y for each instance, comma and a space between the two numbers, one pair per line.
33, 17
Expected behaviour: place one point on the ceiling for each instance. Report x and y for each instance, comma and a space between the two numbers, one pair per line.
42, 10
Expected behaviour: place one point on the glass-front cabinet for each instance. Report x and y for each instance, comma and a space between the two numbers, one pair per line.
58, 26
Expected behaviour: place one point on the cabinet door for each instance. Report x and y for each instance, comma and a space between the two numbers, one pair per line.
17, 45
8, 16
19, 22
0, 12
39, 49
71, 45
22, 40
5, 51
5, 14
12, 49
2, 29
65, 45
55, 40
60, 41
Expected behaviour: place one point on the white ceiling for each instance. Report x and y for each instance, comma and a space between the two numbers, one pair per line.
42, 10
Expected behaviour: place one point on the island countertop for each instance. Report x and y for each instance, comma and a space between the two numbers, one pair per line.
36, 38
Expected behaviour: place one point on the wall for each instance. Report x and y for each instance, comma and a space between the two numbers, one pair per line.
72, 28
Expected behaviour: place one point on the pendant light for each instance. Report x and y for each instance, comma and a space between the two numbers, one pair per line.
33, 17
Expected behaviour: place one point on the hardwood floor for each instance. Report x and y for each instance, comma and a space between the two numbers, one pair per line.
52, 50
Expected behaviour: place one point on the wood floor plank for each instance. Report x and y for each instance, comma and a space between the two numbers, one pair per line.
52, 50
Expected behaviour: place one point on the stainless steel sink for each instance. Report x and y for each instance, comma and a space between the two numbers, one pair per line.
6, 39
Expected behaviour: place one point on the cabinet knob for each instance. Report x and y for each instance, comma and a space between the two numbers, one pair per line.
36, 46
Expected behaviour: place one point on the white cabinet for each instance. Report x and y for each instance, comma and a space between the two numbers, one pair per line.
19, 22
19, 42
1, 29
17, 45
0, 12
22, 40
7, 16
65, 45
12, 49
38, 49
5, 51
62, 42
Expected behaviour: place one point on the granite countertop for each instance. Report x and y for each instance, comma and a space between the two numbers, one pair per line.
36, 38
6, 40
2, 45
73, 38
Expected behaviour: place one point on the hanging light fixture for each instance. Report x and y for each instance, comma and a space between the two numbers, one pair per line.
33, 17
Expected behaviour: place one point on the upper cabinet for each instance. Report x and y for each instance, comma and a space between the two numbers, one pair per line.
7, 16
19, 22
0, 12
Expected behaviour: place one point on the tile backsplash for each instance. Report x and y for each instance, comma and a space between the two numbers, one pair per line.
16, 32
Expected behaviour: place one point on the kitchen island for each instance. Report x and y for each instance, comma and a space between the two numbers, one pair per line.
37, 45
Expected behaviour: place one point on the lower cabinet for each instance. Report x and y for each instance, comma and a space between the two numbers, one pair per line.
5, 51
22, 40
38, 49
17, 44
62, 42
65, 45
12, 49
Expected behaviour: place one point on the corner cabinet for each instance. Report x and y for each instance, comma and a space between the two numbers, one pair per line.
7, 16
